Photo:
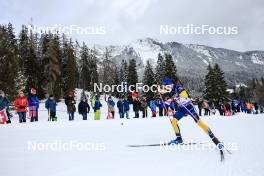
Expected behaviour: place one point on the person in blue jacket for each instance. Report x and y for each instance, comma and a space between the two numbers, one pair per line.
50, 105
97, 107
152, 106
120, 106
84, 108
111, 106
4, 105
161, 108
33, 105
126, 107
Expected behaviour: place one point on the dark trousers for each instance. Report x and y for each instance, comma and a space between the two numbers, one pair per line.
53, 116
121, 114
71, 115
144, 112
206, 111
84, 116
136, 114
161, 112
22, 117
200, 111
221, 112
126, 112
34, 118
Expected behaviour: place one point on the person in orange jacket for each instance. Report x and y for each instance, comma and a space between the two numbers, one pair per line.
21, 105
249, 107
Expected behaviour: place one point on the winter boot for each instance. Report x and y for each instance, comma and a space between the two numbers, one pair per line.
178, 140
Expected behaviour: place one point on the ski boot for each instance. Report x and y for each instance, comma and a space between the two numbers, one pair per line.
176, 141
219, 145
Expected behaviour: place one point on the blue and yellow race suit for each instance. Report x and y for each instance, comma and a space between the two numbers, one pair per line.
185, 107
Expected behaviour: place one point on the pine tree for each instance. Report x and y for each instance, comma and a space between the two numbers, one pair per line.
132, 77
108, 68
123, 74
85, 73
221, 85
58, 66
209, 81
215, 85
123, 71
260, 91
242, 93
8, 60
116, 82
170, 68
76, 48
23, 49
160, 69
20, 81
92, 64
149, 79
31, 64
71, 68
64, 61
29, 58
53, 69
125, 68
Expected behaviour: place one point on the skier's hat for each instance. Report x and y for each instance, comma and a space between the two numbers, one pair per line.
167, 81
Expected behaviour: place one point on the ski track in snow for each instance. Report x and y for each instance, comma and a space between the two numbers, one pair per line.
119, 159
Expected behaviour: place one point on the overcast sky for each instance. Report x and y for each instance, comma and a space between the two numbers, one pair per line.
127, 20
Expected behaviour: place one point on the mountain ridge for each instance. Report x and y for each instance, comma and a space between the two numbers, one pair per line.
192, 60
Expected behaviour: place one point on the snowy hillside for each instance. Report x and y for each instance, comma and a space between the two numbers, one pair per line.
108, 152
192, 60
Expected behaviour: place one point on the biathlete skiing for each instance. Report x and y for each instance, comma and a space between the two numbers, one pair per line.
177, 92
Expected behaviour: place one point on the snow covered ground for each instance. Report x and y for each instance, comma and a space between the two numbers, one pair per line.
101, 147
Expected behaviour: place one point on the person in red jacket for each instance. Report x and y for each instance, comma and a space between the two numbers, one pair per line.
21, 104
